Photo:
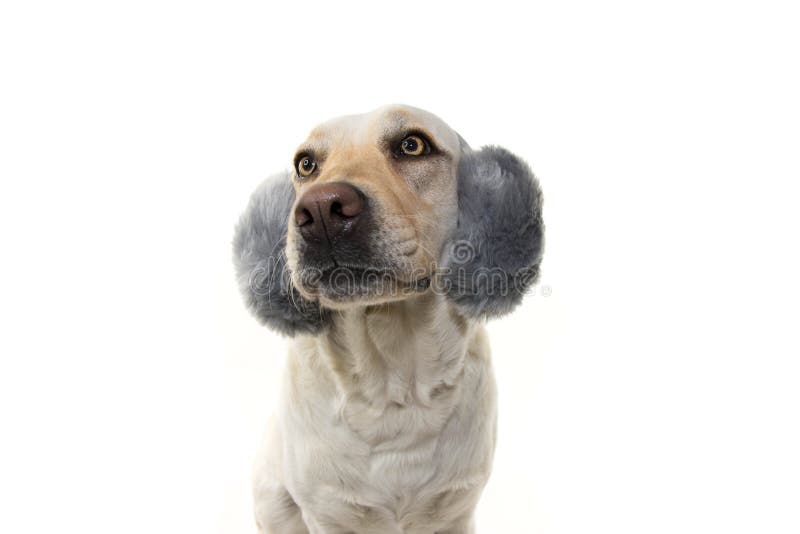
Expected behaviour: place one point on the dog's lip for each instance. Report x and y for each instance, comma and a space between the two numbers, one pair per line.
390, 273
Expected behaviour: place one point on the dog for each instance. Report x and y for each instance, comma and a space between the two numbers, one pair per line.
381, 253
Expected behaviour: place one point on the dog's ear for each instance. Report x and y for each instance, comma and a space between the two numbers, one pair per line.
495, 253
260, 258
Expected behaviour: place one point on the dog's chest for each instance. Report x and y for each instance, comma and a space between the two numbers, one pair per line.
404, 483
389, 434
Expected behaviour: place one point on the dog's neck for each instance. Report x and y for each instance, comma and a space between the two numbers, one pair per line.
400, 356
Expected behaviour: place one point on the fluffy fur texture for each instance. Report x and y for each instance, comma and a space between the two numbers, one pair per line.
491, 262
260, 258
495, 255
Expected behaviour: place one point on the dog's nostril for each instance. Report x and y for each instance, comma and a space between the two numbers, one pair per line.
303, 217
328, 209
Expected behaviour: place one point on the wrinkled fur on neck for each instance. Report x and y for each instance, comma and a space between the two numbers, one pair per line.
403, 357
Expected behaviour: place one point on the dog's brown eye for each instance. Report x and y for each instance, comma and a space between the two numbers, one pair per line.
414, 145
306, 166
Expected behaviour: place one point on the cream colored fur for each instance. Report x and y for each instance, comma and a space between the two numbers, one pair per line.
386, 422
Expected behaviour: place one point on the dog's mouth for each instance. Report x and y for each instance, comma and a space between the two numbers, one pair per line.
335, 283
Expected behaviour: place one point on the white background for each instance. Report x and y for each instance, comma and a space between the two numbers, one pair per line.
654, 390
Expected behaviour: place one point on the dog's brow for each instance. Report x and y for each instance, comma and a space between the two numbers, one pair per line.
310, 148
396, 130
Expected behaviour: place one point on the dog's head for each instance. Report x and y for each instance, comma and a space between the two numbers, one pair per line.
382, 206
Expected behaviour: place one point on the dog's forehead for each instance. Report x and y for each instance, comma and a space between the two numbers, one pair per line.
384, 123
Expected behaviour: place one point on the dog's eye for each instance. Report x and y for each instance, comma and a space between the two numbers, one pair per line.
414, 145
306, 166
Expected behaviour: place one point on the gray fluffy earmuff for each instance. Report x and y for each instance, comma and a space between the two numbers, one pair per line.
494, 257
260, 258
487, 267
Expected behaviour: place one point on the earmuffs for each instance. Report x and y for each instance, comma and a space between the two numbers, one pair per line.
491, 261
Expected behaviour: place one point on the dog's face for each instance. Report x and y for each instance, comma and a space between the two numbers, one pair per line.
383, 206
375, 202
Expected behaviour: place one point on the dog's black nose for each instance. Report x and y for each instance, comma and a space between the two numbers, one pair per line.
330, 209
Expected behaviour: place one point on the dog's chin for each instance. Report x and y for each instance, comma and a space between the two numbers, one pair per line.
346, 287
